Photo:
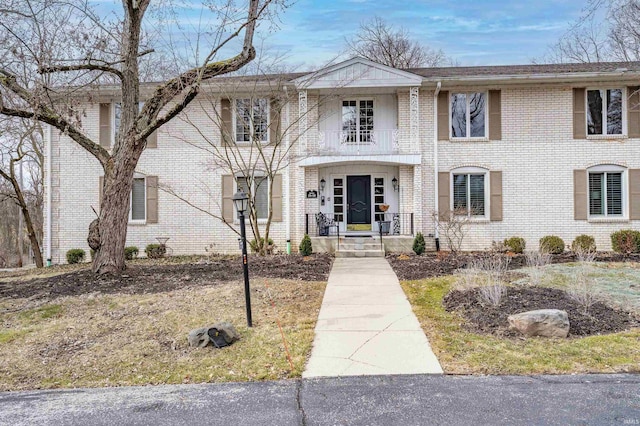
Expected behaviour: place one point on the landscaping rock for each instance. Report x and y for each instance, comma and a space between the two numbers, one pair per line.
198, 338
543, 322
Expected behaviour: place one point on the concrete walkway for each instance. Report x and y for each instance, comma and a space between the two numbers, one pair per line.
366, 325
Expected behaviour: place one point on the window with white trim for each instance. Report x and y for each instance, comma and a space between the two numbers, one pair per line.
469, 189
605, 111
357, 120
138, 210
468, 115
117, 118
252, 119
259, 192
607, 191
117, 114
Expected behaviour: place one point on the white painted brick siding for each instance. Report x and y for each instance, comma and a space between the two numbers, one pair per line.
537, 156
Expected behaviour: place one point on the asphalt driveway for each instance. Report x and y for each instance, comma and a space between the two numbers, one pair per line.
367, 400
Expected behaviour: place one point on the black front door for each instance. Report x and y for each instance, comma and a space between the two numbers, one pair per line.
359, 199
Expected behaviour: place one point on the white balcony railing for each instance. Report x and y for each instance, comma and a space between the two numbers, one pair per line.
343, 142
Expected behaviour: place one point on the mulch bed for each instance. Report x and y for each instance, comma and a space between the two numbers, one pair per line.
485, 318
429, 265
156, 278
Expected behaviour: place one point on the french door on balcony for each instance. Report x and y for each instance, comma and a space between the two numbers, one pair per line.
357, 121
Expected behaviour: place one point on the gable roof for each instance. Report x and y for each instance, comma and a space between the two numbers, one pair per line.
357, 72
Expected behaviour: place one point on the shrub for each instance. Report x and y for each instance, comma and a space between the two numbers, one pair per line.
583, 243
536, 261
75, 256
419, 245
625, 241
305, 246
130, 253
552, 244
515, 244
253, 244
155, 251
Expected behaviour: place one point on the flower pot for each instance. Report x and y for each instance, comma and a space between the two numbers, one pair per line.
385, 226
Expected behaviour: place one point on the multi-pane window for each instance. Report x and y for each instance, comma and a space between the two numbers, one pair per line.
604, 112
252, 120
468, 194
138, 210
378, 190
605, 193
260, 193
338, 200
468, 115
357, 120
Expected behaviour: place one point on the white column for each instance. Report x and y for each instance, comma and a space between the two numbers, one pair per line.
414, 117
302, 122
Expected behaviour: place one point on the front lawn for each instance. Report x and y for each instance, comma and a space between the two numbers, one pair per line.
131, 329
461, 351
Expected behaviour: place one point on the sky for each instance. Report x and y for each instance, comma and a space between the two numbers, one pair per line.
482, 32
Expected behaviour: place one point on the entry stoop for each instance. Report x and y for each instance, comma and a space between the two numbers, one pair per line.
360, 247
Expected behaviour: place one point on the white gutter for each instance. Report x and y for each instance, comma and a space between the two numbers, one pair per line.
48, 193
287, 180
436, 233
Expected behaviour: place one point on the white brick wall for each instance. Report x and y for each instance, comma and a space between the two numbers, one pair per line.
536, 155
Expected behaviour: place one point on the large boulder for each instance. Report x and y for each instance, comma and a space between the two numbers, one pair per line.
543, 322
198, 338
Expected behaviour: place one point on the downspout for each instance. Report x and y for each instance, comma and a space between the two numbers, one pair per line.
436, 232
48, 152
287, 181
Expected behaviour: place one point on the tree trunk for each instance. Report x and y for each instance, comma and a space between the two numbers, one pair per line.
24, 210
114, 210
33, 238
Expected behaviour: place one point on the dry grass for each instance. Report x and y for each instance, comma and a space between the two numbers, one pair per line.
117, 340
463, 352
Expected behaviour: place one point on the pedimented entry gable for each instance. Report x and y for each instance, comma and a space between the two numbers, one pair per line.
357, 72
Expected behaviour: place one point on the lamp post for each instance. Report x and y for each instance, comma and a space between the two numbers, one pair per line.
241, 201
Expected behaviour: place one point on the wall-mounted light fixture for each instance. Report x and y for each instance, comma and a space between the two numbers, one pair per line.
394, 182
322, 184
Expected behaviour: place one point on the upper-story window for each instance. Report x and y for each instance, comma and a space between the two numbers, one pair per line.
468, 115
117, 116
357, 120
252, 120
604, 111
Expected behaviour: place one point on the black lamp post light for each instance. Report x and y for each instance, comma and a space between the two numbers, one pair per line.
241, 202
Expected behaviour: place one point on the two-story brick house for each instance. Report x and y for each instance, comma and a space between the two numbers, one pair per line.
521, 150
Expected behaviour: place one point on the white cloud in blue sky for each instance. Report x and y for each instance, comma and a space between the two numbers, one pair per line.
480, 32
472, 32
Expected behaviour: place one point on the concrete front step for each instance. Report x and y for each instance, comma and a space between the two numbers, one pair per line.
360, 253
361, 246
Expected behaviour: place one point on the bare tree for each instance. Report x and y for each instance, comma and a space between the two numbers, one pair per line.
379, 42
452, 225
70, 44
21, 147
608, 30
264, 142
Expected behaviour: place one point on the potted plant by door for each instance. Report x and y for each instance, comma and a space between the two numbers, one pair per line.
385, 225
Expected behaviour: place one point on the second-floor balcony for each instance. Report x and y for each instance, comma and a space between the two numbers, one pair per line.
363, 142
